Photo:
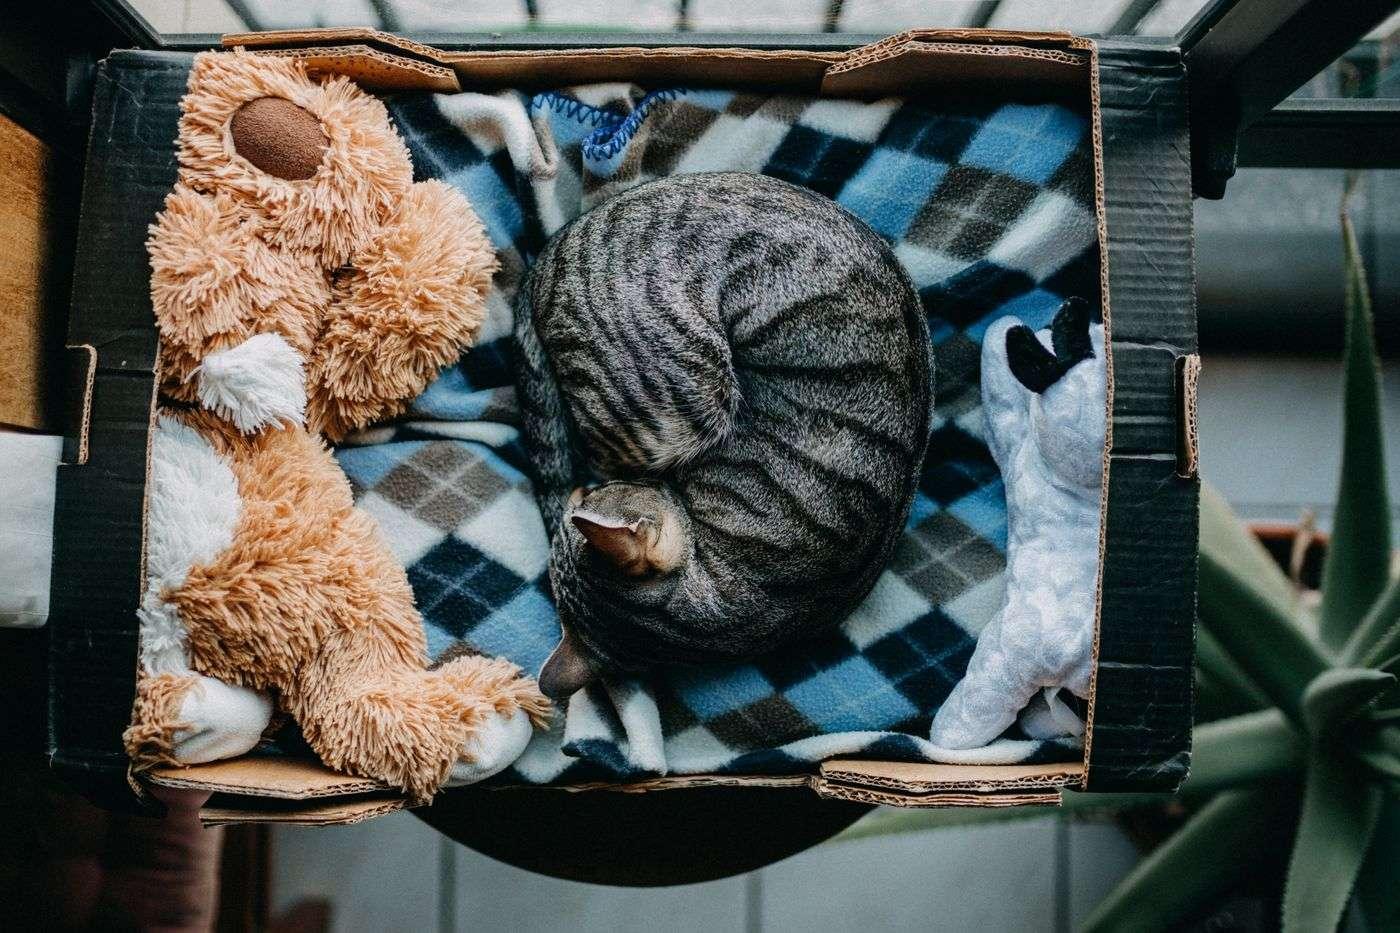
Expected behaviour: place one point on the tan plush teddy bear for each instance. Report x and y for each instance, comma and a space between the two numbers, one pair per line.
304, 286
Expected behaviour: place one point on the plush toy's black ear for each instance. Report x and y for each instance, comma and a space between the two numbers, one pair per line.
1070, 333
1033, 366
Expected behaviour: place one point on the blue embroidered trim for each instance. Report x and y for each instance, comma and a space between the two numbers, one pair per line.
614, 130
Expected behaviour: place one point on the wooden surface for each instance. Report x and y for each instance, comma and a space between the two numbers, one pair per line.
26, 183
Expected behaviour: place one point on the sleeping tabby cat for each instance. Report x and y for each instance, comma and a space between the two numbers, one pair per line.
747, 365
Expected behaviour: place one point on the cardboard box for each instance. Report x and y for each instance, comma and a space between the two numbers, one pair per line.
1140, 711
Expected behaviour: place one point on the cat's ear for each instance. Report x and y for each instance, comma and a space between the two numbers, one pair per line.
624, 543
568, 670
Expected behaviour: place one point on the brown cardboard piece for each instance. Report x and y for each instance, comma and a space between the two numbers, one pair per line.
282, 790
26, 180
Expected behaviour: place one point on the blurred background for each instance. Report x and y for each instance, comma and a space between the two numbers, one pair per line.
1270, 297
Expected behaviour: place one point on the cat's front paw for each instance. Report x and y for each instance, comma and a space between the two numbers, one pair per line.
491, 748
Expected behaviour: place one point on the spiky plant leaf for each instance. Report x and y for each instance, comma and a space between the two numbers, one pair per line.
1217, 670
1340, 808
1340, 695
1202, 860
1375, 888
1247, 749
1377, 639
1358, 556
1230, 542
1257, 632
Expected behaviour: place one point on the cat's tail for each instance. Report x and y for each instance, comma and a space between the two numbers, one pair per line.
545, 425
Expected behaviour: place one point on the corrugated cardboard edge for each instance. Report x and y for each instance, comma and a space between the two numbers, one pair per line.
279, 778
919, 777
1189, 460
934, 801
364, 53
372, 68
82, 362
1105, 308
330, 813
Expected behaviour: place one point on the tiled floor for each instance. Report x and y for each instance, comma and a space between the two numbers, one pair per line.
389, 875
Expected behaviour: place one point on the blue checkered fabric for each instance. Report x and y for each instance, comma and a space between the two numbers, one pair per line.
990, 208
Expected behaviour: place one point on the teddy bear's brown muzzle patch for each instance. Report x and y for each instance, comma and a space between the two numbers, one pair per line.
279, 137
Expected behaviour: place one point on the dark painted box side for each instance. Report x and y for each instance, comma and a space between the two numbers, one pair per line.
1141, 737
99, 510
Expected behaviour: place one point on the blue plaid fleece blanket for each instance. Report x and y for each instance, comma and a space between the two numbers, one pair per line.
991, 211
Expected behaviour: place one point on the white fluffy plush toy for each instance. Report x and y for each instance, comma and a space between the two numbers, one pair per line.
1043, 400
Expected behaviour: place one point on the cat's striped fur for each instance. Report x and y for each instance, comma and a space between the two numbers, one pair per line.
748, 366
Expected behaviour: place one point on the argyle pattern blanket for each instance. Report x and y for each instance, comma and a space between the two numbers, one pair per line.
990, 208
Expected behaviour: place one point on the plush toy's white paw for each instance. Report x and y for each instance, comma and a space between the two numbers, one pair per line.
224, 721
255, 384
495, 745
1047, 716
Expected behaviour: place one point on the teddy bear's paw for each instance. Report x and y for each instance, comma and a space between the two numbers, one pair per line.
219, 721
491, 748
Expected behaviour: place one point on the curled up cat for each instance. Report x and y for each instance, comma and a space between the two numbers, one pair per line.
746, 366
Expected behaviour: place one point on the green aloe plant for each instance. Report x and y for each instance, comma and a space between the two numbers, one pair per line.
1298, 734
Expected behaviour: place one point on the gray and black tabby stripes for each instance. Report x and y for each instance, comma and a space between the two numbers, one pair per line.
748, 367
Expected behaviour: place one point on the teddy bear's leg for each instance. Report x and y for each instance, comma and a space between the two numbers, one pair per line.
188, 719
415, 729
986, 701
219, 721
181, 717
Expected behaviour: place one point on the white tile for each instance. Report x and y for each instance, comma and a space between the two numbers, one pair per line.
1169, 16
492, 896
458, 15
1270, 433
1100, 855
995, 877
888, 16
767, 16
271, 14
656, 15
1095, 16
378, 875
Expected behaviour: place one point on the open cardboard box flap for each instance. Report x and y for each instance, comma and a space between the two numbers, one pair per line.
1025, 64
1030, 64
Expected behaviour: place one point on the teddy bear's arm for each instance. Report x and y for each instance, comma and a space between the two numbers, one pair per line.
1005, 402
408, 305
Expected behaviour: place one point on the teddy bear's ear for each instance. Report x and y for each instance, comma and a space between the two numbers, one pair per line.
410, 304
279, 138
